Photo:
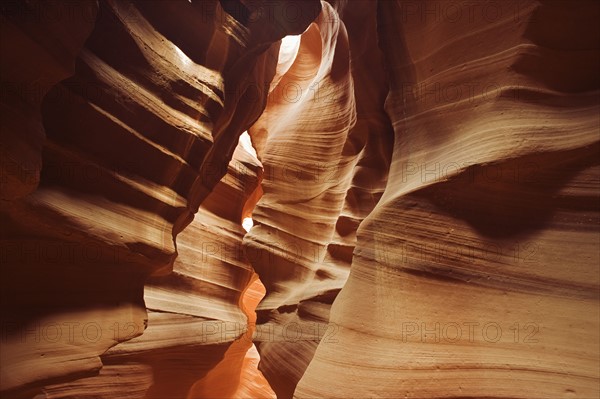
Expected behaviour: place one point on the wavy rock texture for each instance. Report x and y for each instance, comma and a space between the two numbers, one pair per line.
336, 168
476, 275
137, 139
425, 194
195, 312
237, 375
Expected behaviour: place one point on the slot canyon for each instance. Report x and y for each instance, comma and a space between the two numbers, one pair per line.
276, 199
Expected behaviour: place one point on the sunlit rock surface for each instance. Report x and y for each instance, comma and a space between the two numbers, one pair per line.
476, 275
325, 143
418, 191
136, 140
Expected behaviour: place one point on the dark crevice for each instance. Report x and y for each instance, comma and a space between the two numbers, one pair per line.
237, 10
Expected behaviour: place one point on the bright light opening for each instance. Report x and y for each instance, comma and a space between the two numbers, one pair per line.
247, 224
246, 143
287, 53
289, 49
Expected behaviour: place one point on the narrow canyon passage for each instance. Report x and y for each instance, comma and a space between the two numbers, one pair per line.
299, 199
237, 376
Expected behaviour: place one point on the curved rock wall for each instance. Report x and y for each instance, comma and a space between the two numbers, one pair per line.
325, 144
195, 312
476, 275
136, 140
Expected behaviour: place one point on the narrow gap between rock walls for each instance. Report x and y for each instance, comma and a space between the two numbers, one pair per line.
250, 381
254, 292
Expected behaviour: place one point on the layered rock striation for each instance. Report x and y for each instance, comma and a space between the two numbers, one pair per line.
476, 274
325, 144
136, 140
422, 177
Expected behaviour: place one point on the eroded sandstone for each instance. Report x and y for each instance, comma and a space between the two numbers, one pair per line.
424, 196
